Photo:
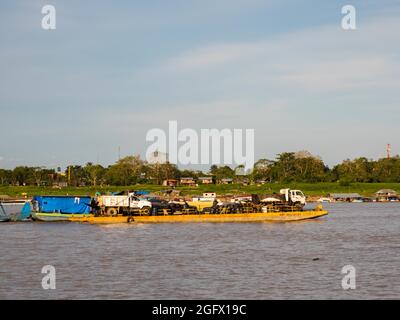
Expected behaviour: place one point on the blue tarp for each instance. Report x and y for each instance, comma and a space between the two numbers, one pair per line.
25, 212
141, 192
63, 204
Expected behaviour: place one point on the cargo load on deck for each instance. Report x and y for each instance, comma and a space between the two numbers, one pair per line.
62, 204
122, 204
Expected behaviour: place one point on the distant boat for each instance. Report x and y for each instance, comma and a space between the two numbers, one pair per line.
15, 210
324, 199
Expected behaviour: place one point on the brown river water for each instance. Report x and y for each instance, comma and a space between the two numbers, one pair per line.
295, 260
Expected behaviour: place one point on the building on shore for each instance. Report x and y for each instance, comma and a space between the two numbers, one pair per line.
188, 181
242, 180
345, 197
60, 184
386, 195
205, 180
170, 183
226, 181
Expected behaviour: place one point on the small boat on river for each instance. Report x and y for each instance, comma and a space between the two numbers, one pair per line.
15, 210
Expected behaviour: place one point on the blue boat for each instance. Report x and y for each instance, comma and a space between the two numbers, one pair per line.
60, 208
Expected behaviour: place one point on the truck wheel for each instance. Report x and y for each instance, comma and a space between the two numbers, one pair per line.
112, 211
145, 210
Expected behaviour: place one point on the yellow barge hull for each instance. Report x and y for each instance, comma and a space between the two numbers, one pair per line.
232, 217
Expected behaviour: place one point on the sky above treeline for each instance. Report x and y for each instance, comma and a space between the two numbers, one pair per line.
113, 70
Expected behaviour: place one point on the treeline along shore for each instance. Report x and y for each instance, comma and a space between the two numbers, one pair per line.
314, 190
297, 170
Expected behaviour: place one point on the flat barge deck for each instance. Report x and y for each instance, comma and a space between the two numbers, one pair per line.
231, 217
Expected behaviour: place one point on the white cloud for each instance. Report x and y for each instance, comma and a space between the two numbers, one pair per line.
323, 59
212, 56
338, 75
298, 90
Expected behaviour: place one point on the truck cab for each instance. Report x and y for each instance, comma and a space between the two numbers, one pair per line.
294, 196
137, 203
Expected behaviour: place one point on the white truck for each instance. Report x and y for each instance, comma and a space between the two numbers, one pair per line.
294, 196
112, 205
289, 196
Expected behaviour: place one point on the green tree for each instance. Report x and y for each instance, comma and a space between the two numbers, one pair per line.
309, 169
5, 177
159, 172
357, 170
23, 175
284, 169
126, 171
262, 170
95, 173
221, 172
76, 175
386, 170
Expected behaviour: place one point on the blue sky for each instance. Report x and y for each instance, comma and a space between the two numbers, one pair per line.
112, 70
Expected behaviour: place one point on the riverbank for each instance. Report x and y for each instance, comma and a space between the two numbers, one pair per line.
310, 189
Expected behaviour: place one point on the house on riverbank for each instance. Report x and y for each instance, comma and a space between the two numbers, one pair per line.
386, 195
188, 181
205, 180
170, 183
226, 181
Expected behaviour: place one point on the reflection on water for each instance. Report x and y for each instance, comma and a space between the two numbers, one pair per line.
297, 260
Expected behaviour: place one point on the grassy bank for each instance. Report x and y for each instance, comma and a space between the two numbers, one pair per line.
310, 189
